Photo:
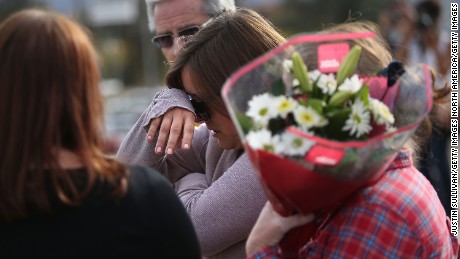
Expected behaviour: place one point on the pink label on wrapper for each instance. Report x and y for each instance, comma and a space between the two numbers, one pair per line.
324, 156
330, 56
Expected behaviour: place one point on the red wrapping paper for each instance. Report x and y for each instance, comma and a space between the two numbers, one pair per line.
330, 172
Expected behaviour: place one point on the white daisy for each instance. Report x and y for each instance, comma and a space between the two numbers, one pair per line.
284, 105
352, 84
263, 139
259, 139
261, 109
307, 117
390, 129
278, 145
287, 65
295, 82
306, 131
293, 145
322, 122
313, 75
327, 84
380, 112
358, 123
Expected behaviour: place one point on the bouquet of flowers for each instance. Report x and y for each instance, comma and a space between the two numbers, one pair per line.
315, 130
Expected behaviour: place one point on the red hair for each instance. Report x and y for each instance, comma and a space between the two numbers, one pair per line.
50, 100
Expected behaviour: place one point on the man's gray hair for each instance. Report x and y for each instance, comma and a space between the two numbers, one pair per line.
210, 8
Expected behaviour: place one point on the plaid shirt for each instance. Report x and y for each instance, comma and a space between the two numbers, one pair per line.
398, 217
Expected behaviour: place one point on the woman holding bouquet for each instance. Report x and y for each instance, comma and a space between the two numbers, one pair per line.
213, 175
397, 216
60, 196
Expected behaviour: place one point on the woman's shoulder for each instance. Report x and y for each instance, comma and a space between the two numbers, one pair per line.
147, 192
143, 178
143, 172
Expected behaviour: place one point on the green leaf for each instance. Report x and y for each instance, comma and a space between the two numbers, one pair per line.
245, 122
336, 122
349, 64
339, 98
316, 104
316, 91
332, 112
300, 72
278, 87
364, 94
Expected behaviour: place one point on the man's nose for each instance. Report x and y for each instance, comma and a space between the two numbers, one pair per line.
177, 46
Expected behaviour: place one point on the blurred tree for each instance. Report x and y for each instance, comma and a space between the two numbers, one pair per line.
128, 54
9, 6
125, 48
296, 16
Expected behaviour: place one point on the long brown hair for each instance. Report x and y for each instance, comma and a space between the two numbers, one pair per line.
229, 41
50, 101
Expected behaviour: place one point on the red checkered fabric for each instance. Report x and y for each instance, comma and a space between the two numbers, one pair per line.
398, 217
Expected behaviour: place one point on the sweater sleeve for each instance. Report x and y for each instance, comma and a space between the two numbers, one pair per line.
223, 212
135, 149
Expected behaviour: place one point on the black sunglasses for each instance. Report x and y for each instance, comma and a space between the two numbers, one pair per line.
167, 40
201, 109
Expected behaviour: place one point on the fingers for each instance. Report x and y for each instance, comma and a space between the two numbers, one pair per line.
297, 220
163, 133
175, 129
289, 222
188, 130
153, 129
271, 227
173, 135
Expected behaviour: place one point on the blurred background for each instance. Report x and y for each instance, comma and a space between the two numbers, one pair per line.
133, 68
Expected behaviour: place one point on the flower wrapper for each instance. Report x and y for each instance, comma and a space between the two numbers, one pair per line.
330, 172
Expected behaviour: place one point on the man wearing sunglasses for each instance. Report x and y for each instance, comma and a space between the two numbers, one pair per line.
173, 20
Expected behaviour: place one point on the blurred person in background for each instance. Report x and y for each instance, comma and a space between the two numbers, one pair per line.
60, 196
211, 173
416, 37
424, 42
434, 161
395, 21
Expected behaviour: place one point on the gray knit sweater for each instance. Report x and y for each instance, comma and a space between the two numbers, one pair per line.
218, 188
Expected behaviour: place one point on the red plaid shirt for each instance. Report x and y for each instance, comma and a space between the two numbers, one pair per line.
398, 217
